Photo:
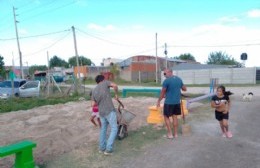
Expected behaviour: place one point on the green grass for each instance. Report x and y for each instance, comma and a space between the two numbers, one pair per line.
120, 81
130, 147
15, 104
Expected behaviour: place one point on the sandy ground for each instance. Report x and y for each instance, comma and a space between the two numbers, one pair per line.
60, 128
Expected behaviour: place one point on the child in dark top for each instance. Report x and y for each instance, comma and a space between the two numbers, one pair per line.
221, 103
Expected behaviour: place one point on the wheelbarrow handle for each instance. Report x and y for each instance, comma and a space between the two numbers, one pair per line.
120, 105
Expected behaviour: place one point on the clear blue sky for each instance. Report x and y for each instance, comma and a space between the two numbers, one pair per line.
120, 29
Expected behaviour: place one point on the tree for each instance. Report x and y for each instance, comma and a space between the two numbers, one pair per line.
186, 56
34, 68
55, 61
114, 69
82, 61
2, 68
221, 58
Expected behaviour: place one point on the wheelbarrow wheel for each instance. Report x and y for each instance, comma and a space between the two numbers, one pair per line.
122, 132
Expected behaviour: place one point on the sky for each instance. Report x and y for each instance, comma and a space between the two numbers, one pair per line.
124, 28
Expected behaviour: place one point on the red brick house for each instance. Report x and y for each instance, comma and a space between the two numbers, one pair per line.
143, 68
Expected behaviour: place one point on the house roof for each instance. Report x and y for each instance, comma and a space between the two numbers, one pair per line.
129, 60
189, 66
174, 60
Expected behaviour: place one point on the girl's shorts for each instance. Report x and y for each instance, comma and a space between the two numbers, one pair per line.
220, 115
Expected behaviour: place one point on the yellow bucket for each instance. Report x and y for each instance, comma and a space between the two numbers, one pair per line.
155, 115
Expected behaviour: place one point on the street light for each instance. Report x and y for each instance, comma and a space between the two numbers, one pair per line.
165, 52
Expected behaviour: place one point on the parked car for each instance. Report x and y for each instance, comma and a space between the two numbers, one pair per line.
30, 89
6, 90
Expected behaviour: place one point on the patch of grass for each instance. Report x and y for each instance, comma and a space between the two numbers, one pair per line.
133, 145
120, 81
15, 104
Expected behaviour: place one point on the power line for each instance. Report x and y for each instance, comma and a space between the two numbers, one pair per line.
5, 18
147, 50
22, 13
39, 35
48, 11
224, 45
51, 45
36, 8
105, 40
7, 27
6, 22
26, 4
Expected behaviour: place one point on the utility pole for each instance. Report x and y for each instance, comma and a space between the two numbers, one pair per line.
156, 64
48, 75
48, 61
165, 52
76, 50
18, 44
12, 79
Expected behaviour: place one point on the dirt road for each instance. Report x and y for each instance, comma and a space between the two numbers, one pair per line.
206, 148
62, 128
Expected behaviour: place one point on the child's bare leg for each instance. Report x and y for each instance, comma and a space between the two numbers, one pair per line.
225, 125
228, 133
222, 127
93, 121
99, 122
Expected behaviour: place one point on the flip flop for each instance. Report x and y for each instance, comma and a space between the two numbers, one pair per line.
168, 137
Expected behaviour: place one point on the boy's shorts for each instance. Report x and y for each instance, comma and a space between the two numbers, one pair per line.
171, 109
220, 115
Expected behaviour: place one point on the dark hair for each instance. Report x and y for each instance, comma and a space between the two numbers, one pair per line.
226, 93
99, 78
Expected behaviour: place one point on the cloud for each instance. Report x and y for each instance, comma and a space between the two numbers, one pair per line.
255, 13
227, 19
94, 26
137, 27
209, 29
23, 32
